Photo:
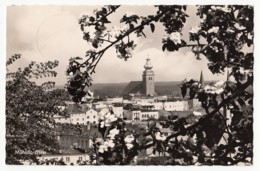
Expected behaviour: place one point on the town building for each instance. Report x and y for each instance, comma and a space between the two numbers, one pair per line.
62, 119
176, 106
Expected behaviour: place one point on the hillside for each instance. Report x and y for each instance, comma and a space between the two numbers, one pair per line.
116, 89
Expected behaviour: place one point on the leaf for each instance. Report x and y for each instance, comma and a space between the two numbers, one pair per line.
82, 27
164, 47
86, 36
95, 44
152, 27
91, 19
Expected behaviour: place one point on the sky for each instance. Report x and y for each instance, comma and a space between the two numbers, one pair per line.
43, 33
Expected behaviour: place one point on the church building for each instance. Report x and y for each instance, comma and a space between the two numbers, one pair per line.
146, 86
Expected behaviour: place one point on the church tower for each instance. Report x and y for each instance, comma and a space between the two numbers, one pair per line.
201, 79
148, 79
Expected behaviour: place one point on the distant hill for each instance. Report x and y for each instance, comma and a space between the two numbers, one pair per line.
116, 89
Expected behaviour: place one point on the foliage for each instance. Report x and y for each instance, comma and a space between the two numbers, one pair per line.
221, 37
29, 111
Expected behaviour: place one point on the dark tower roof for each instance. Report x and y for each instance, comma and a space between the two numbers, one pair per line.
201, 79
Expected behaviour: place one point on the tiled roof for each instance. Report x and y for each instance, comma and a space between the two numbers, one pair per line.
127, 114
74, 109
77, 130
164, 113
133, 87
181, 114
60, 116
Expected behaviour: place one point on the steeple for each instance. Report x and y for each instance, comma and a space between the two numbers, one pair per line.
148, 64
201, 78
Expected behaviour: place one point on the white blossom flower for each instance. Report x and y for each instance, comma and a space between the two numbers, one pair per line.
213, 7
230, 30
109, 143
107, 122
115, 31
125, 28
217, 88
213, 30
102, 124
219, 83
194, 30
175, 37
219, 91
103, 112
160, 136
239, 27
111, 117
114, 131
129, 146
250, 36
129, 138
102, 148
202, 20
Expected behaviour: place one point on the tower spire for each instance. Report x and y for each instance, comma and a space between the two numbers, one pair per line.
201, 78
148, 64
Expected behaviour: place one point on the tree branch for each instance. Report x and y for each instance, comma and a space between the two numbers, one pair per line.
208, 116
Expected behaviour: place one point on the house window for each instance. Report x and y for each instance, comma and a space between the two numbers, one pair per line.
80, 158
83, 119
77, 119
94, 122
67, 159
87, 117
94, 117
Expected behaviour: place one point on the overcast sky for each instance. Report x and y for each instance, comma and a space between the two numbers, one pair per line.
43, 33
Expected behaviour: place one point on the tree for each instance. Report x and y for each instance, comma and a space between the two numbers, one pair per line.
220, 37
29, 111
